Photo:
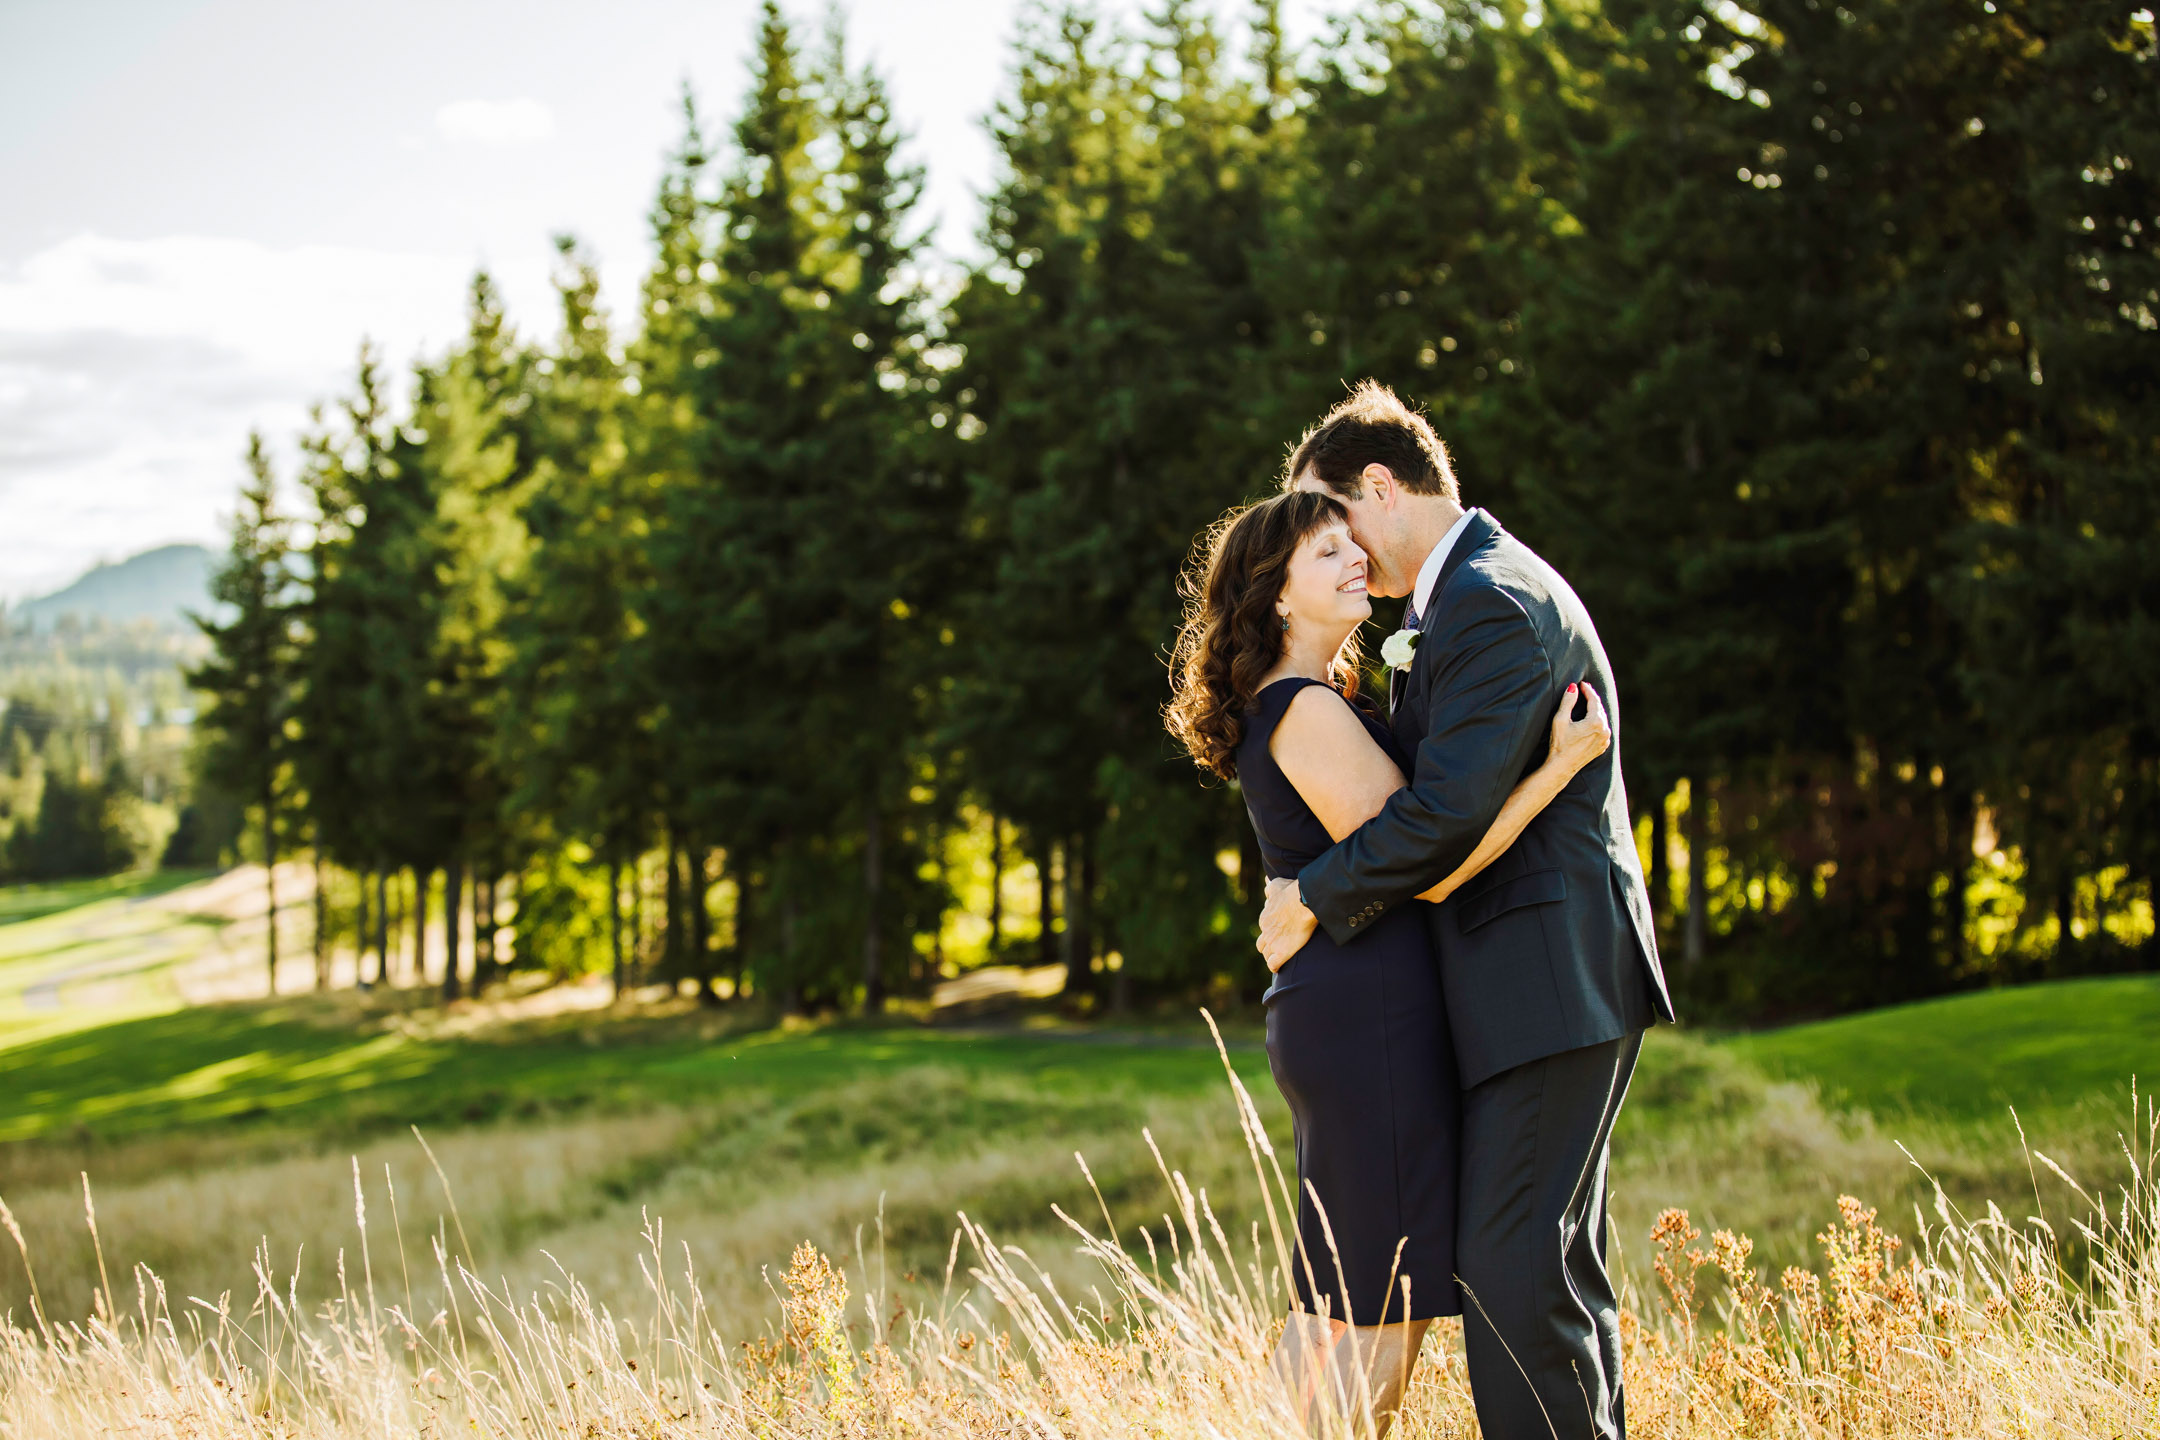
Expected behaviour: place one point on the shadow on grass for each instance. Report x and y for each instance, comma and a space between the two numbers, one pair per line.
276, 1063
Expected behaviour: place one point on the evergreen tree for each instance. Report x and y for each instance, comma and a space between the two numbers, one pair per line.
580, 733
1804, 338
780, 588
364, 751
2058, 573
471, 447
247, 680
1105, 339
872, 515
720, 602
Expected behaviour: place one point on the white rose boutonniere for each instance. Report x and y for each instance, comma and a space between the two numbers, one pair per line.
1397, 650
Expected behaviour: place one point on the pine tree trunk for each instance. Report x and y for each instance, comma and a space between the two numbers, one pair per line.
615, 925
997, 884
483, 934
873, 958
749, 897
934, 963
401, 901
1075, 981
504, 956
382, 927
635, 962
1078, 944
793, 993
1695, 942
2065, 917
363, 936
687, 960
421, 884
453, 905
269, 838
1046, 906
671, 958
1964, 822
494, 928
701, 924
322, 927
1660, 863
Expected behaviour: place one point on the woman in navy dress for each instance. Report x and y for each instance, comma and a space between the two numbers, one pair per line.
1265, 692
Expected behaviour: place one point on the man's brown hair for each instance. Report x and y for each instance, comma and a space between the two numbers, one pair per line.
1371, 426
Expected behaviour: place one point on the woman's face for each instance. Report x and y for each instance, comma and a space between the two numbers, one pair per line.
1325, 593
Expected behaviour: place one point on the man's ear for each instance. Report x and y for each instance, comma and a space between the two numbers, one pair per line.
1381, 482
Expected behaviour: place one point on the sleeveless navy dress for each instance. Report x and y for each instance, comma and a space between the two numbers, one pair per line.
1357, 1037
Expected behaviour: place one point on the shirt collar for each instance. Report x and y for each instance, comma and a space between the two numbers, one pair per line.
1429, 574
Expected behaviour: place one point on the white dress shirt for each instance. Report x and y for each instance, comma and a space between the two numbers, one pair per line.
1428, 575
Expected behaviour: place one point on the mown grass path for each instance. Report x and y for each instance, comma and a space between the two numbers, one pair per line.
121, 936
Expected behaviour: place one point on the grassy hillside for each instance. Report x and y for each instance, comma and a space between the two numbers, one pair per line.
206, 1128
1970, 1056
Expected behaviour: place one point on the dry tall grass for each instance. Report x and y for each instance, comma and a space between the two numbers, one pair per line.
1979, 1327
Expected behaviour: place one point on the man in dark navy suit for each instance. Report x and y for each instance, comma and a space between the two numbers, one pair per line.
1548, 959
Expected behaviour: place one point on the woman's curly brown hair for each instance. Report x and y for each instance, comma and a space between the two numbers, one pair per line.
1232, 636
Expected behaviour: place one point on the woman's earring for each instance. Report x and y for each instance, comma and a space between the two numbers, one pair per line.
1285, 624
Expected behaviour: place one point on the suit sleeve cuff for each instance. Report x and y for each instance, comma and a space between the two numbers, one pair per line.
1342, 927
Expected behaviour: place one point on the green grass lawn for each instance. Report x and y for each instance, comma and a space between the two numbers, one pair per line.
282, 1063
203, 1125
1969, 1056
325, 1066
303, 1064
295, 1064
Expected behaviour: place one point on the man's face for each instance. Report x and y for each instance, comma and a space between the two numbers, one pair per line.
1376, 526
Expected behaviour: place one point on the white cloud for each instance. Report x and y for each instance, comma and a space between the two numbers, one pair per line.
305, 303
495, 122
132, 370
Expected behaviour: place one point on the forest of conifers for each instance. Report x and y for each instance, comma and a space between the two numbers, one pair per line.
1814, 342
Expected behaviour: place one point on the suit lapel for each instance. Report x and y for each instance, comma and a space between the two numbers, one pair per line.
1480, 532
1477, 534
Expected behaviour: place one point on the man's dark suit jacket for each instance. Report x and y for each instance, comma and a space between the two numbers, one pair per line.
1552, 947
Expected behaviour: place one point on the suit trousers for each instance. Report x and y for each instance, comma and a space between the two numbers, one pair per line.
1541, 1327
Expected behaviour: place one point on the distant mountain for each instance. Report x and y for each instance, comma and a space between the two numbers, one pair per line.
160, 585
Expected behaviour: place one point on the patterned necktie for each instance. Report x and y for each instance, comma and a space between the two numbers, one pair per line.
1395, 676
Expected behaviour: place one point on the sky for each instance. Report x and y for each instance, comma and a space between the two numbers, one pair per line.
208, 203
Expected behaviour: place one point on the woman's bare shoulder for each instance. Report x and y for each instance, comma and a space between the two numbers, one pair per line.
1332, 760
1318, 718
